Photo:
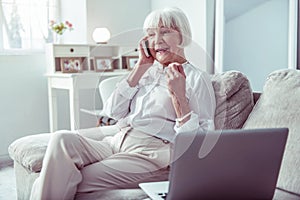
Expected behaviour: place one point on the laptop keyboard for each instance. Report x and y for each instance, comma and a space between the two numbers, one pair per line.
163, 195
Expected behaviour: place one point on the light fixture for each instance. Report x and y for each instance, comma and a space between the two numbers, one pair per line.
101, 35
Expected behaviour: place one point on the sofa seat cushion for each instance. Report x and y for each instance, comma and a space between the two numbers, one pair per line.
285, 195
29, 151
234, 99
279, 106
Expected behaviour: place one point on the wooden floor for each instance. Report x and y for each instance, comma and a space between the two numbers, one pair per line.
7, 184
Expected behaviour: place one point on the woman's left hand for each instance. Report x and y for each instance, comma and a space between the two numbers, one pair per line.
176, 83
176, 80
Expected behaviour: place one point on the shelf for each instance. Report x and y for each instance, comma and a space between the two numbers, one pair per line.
66, 58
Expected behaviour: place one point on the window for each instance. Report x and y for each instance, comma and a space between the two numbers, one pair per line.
24, 24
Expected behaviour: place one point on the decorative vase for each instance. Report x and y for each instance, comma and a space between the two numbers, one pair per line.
57, 38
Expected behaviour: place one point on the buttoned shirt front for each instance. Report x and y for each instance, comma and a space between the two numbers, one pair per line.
148, 106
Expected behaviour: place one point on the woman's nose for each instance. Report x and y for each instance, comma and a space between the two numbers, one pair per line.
157, 38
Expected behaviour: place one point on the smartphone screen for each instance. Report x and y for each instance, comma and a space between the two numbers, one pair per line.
146, 49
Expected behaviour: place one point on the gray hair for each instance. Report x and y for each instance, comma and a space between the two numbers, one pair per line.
171, 18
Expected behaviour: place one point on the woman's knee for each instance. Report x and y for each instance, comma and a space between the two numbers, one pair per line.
62, 137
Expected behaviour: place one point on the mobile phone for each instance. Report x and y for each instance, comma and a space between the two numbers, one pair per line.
145, 45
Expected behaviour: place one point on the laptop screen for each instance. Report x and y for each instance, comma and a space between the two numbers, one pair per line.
227, 164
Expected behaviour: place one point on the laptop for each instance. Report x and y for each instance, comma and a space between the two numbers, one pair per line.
227, 164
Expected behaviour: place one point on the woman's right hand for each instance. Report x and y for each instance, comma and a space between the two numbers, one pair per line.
145, 61
142, 65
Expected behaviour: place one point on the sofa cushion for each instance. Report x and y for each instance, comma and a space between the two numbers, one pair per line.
234, 99
29, 151
279, 106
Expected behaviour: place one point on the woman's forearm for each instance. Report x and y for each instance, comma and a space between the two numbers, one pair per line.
182, 109
136, 74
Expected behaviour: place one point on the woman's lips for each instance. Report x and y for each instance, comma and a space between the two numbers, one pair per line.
161, 50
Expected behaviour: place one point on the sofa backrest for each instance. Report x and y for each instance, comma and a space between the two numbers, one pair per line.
279, 106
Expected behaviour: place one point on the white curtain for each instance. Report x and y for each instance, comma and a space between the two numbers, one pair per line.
25, 23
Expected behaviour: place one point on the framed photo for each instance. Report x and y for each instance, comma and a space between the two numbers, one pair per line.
103, 64
131, 61
71, 65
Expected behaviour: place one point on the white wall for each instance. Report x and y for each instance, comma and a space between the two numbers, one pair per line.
120, 17
256, 43
76, 13
24, 103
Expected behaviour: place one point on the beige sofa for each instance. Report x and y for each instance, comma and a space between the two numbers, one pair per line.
278, 106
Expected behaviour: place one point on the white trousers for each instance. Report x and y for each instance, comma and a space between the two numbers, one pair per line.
74, 163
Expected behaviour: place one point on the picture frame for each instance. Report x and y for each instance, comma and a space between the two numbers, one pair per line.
131, 61
102, 64
71, 64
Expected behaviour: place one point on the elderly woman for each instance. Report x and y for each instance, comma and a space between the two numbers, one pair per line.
163, 95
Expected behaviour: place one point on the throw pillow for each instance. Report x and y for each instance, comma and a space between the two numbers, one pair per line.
234, 99
279, 106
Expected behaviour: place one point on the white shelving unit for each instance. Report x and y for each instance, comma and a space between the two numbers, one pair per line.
86, 54
86, 78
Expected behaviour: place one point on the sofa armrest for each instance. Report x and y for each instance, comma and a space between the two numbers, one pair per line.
29, 151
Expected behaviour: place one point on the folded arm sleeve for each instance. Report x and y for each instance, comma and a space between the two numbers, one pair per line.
118, 104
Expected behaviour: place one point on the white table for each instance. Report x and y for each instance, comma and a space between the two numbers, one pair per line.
73, 83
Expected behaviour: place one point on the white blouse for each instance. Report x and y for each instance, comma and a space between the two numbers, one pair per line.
148, 106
